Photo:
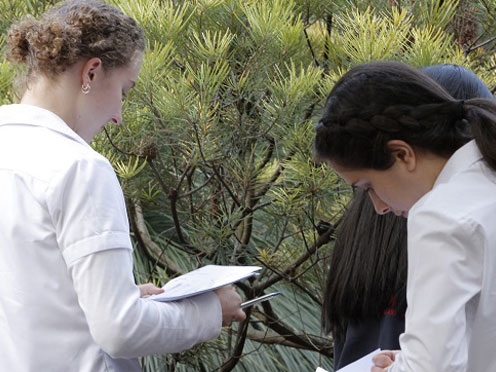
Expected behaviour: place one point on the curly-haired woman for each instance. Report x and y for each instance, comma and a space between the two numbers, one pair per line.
68, 300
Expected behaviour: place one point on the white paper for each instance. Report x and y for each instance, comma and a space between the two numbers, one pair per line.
203, 280
320, 370
363, 364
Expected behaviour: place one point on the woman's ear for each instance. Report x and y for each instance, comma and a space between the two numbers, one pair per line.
403, 153
91, 69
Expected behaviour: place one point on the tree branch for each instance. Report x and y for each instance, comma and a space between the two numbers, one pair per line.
240, 344
152, 249
219, 177
309, 342
275, 338
276, 277
470, 49
311, 48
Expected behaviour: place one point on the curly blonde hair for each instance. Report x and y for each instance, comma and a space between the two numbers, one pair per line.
73, 30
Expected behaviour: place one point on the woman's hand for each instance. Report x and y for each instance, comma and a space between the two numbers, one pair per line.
149, 289
383, 360
230, 303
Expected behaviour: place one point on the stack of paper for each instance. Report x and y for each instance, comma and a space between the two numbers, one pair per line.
364, 364
203, 280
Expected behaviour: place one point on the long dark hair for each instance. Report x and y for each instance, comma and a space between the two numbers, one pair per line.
380, 101
369, 260
368, 266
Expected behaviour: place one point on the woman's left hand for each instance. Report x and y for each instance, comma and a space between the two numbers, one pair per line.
149, 289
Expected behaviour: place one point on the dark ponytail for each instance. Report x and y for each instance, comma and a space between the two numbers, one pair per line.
481, 114
380, 101
368, 264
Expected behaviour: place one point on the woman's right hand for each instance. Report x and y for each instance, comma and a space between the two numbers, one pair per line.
230, 302
383, 360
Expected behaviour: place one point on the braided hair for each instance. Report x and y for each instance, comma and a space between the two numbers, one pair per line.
381, 101
368, 266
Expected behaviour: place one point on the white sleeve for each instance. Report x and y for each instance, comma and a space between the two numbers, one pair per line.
445, 261
123, 324
87, 208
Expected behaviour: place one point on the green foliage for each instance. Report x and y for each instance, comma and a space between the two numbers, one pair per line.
6, 82
434, 13
432, 44
366, 36
215, 154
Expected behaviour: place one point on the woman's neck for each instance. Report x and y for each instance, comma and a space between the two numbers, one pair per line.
56, 96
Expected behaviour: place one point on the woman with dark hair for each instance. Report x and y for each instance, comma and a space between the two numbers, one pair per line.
68, 299
364, 298
395, 133
365, 294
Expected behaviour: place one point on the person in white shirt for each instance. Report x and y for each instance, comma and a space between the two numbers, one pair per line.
392, 131
68, 300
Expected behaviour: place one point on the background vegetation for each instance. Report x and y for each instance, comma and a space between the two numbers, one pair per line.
215, 154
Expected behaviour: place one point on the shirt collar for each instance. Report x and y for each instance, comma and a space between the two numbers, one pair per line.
462, 158
22, 114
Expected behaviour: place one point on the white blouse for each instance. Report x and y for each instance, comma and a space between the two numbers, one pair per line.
451, 290
68, 301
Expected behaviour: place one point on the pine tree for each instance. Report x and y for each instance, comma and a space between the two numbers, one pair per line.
215, 154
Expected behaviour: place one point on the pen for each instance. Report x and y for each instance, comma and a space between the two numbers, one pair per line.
259, 299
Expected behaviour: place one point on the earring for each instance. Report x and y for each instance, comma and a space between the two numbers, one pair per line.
85, 88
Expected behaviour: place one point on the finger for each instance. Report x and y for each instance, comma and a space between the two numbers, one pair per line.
389, 353
382, 360
149, 289
239, 316
155, 290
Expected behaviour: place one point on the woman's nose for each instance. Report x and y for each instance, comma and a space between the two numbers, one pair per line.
117, 119
379, 205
